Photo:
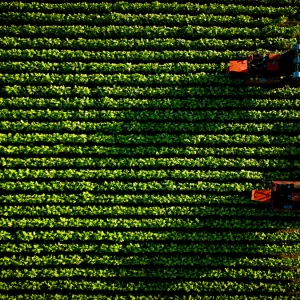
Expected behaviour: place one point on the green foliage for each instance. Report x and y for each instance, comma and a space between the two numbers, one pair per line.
127, 157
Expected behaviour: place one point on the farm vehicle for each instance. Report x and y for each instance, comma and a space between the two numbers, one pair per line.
268, 69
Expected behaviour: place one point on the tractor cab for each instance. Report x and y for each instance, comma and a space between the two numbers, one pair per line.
283, 196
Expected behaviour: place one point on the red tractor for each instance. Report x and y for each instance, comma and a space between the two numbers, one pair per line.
283, 196
267, 69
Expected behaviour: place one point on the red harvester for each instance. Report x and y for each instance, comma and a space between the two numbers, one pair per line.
283, 196
268, 69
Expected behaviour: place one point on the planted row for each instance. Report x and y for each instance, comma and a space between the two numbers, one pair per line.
148, 162
148, 92
129, 174
164, 138
142, 272
188, 103
59, 149
153, 7
137, 31
145, 44
161, 260
280, 250
119, 79
121, 186
124, 68
147, 127
56, 55
133, 199
119, 211
150, 115
140, 285
164, 235
157, 223
121, 19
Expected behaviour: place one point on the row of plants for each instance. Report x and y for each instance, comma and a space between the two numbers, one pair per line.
157, 92
133, 223
120, 79
148, 162
290, 151
188, 103
132, 199
143, 44
122, 19
287, 8
137, 260
57, 55
121, 186
158, 272
92, 116
119, 211
134, 285
12, 67
129, 174
147, 127
279, 249
241, 237
146, 139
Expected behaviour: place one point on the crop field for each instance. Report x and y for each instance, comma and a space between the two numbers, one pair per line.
128, 157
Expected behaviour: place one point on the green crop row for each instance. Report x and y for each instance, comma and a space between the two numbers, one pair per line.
163, 273
119, 210
145, 44
132, 103
149, 247
161, 223
165, 260
163, 235
150, 32
119, 79
137, 139
153, 7
80, 67
120, 186
145, 223
122, 56
129, 91
150, 115
148, 127
139, 285
106, 174
58, 149
114, 18
149, 199
148, 162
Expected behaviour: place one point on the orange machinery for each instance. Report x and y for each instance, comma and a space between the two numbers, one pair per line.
283, 196
266, 69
